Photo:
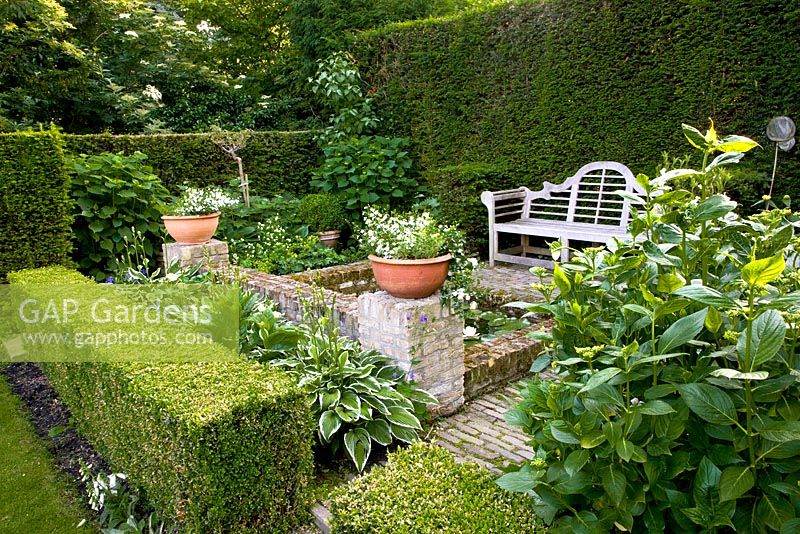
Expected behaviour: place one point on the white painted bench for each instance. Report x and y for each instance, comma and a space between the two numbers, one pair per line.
583, 208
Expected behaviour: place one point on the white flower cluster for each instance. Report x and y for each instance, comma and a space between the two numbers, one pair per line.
152, 92
202, 201
401, 236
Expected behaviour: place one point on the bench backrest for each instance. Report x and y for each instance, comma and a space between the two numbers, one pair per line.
587, 197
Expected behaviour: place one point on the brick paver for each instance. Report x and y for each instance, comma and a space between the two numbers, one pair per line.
508, 282
478, 433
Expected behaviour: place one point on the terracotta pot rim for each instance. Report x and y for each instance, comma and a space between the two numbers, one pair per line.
423, 261
183, 217
329, 232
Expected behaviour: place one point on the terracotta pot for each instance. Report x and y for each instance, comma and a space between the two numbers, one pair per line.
330, 238
191, 229
410, 279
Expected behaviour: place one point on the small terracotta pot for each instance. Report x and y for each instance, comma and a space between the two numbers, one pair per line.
330, 238
191, 229
410, 279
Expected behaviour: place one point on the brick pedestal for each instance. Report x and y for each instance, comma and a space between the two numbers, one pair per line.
211, 255
421, 335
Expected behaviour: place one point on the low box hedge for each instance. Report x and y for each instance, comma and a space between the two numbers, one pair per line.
213, 446
423, 489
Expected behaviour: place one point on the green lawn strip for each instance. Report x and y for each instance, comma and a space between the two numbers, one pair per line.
34, 496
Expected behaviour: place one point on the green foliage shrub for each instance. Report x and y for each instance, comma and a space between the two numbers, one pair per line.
276, 162
363, 168
212, 446
35, 207
675, 406
322, 212
117, 198
538, 89
423, 490
359, 396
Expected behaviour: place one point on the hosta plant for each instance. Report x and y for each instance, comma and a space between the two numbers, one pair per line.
358, 396
676, 405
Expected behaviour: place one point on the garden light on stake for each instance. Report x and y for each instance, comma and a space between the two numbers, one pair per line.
781, 131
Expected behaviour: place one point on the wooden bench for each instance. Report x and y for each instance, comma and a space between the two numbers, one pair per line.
583, 208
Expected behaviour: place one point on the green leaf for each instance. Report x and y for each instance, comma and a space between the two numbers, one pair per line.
409, 435
329, 398
762, 272
600, 377
781, 431
402, 417
706, 295
561, 280
517, 481
709, 403
713, 207
733, 374
681, 331
693, 135
726, 158
656, 407
358, 445
614, 483
658, 256
351, 401
561, 432
791, 527
625, 449
736, 143
768, 333
329, 423
774, 511
669, 282
735, 482
576, 460
380, 431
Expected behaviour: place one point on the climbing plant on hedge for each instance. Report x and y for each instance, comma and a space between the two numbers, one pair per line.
541, 88
35, 208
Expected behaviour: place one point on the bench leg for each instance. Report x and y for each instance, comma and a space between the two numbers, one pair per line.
492, 245
564, 250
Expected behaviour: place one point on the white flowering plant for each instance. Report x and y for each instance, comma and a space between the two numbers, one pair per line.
418, 234
403, 236
202, 201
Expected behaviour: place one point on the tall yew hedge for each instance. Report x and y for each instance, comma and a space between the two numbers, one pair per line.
276, 162
35, 207
538, 89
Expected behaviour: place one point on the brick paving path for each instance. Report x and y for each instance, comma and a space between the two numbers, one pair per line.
509, 282
479, 433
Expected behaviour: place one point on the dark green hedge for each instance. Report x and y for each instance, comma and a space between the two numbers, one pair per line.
216, 447
458, 189
35, 208
541, 88
275, 162
423, 490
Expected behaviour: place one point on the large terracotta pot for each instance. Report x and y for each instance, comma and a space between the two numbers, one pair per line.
410, 279
330, 238
191, 229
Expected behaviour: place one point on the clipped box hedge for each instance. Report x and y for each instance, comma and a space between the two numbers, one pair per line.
275, 162
35, 207
213, 446
423, 490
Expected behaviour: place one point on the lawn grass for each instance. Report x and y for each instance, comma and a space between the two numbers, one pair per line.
34, 496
